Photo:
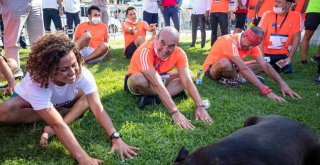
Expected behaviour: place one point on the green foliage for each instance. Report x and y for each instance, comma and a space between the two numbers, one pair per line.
152, 129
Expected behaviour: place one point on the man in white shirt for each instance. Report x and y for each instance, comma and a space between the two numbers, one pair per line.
199, 15
72, 9
51, 12
150, 11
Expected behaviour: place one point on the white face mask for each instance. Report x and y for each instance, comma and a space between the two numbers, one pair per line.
277, 10
95, 20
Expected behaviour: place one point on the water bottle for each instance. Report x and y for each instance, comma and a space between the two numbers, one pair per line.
199, 77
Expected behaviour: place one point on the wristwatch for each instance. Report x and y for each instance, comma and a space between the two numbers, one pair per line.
115, 135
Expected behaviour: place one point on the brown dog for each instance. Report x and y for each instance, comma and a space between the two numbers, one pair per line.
269, 140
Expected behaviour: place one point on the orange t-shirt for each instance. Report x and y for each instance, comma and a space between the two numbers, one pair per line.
145, 58
265, 6
299, 7
225, 46
98, 32
252, 6
221, 6
277, 42
141, 31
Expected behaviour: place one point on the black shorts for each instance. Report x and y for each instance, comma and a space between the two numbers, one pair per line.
240, 20
127, 88
274, 59
312, 21
130, 50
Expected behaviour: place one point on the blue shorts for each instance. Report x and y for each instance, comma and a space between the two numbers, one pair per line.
274, 59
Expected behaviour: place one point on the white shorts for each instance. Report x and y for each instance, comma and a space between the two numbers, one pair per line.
86, 51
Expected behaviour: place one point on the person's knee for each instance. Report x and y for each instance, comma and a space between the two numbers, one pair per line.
224, 63
140, 40
139, 81
104, 46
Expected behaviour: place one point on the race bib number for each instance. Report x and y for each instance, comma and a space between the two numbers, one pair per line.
277, 41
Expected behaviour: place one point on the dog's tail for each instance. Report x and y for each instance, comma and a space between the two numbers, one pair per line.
314, 157
251, 121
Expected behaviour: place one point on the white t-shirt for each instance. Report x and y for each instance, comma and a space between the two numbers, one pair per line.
54, 96
50, 4
150, 6
71, 6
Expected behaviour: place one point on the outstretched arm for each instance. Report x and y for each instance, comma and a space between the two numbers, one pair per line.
251, 77
269, 70
65, 135
104, 119
188, 84
156, 82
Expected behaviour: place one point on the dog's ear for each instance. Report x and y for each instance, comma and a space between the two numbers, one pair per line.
183, 154
251, 121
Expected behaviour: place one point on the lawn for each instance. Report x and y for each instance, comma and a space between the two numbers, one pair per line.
151, 128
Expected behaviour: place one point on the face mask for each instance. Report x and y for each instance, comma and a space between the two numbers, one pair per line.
95, 20
277, 10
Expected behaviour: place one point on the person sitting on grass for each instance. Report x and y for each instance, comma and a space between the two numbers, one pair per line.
58, 89
92, 37
134, 32
7, 66
149, 76
226, 59
282, 28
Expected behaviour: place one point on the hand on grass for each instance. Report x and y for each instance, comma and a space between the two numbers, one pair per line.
181, 120
202, 114
123, 148
285, 90
47, 133
9, 89
275, 97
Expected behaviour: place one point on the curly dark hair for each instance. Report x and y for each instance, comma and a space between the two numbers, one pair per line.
45, 56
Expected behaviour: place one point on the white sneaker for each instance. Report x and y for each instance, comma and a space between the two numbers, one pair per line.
18, 74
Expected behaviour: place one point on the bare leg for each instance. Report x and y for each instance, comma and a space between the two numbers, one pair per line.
237, 30
70, 114
17, 110
254, 66
305, 44
98, 52
139, 41
222, 68
138, 83
83, 41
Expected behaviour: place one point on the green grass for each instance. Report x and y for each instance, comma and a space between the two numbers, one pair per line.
151, 129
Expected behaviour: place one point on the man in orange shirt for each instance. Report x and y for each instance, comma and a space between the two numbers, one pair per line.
134, 32
225, 62
92, 37
282, 27
261, 7
149, 75
218, 15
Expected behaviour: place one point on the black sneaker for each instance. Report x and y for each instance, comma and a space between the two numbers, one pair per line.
315, 59
182, 95
304, 62
317, 80
148, 100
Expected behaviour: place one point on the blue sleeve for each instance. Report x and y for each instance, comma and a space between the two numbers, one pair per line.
179, 2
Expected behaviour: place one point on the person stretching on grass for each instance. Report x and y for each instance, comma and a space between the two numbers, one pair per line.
226, 59
58, 89
149, 75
